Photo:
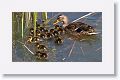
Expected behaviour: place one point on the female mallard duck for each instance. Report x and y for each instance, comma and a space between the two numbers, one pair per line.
75, 26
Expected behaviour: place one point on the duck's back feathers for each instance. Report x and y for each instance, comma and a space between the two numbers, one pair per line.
78, 26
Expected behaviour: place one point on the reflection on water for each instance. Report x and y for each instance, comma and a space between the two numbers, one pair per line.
84, 50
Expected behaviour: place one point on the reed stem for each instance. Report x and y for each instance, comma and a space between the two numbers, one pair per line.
34, 19
44, 16
22, 24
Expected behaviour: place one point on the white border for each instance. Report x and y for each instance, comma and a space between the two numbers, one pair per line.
104, 67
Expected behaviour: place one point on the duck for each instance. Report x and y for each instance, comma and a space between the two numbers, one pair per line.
42, 35
55, 33
51, 31
40, 47
58, 40
31, 32
41, 55
45, 31
48, 35
59, 29
74, 26
29, 39
38, 32
41, 29
35, 39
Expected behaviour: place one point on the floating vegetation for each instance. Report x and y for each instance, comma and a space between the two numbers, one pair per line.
49, 38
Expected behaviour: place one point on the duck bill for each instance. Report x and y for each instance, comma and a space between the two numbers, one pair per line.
55, 22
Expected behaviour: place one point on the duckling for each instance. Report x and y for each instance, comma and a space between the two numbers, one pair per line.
37, 45
56, 27
37, 32
29, 39
58, 40
37, 25
41, 29
31, 32
41, 47
41, 55
31, 29
51, 31
60, 30
48, 35
35, 39
42, 35
55, 33
46, 31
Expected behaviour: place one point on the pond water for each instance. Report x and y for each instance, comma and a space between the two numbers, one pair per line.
84, 50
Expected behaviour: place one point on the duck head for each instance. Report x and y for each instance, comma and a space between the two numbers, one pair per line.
61, 18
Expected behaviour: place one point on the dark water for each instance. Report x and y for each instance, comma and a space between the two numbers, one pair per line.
85, 50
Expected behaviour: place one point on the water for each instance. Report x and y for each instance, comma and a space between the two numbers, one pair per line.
85, 50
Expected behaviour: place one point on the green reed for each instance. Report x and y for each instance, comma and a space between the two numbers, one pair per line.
44, 16
34, 21
22, 23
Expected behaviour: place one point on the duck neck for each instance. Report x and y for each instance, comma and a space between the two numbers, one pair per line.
65, 22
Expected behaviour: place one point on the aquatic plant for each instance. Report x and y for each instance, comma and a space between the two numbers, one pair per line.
44, 16
35, 19
22, 22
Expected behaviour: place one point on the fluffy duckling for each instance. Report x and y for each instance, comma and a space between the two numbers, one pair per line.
58, 40
60, 30
45, 31
51, 31
31, 29
41, 47
48, 35
42, 35
37, 25
55, 33
41, 55
31, 32
41, 29
37, 32
56, 27
35, 39
29, 39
